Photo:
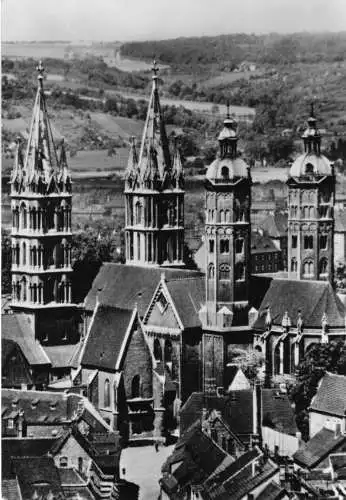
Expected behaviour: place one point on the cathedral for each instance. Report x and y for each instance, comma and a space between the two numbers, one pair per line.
154, 331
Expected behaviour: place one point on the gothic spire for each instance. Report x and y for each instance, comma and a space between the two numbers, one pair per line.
177, 171
132, 164
41, 159
154, 150
17, 171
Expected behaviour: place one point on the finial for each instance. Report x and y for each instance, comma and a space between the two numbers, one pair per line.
40, 70
155, 69
227, 106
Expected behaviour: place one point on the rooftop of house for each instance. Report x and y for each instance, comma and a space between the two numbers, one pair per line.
275, 225
38, 477
319, 447
188, 296
331, 395
237, 411
62, 356
338, 463
47, 408
125, 286
106, 337
262, 244
273, 491
311, 298
16, 327
10, 351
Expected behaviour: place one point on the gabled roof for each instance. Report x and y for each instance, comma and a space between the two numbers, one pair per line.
331, 395
38, 474
125, 286
277, 412
318, 448
312, 298
275, 225
106, 337
62, 356
188, 296
262, 244
22, 447
9, 348
16, 327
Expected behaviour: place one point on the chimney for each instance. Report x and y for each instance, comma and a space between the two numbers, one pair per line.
337, 432
20, 423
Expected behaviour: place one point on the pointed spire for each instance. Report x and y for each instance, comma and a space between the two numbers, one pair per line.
228, 136
299, 323
286, 321
132, 163
17, 171
312, 136
154, 152
268, 319
41, 159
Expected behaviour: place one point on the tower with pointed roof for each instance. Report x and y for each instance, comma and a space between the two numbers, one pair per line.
227, 251
311, 194
41, 230
154, 194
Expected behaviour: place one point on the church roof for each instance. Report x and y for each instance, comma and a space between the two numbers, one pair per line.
311, 298
106, 337
62, 356
237, 168
16, 327
125, 286
188, 296
41, 165
331, 395
321, 165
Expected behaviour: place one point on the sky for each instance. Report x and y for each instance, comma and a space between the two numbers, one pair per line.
125, 20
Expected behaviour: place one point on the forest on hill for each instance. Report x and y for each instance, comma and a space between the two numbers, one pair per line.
227, 51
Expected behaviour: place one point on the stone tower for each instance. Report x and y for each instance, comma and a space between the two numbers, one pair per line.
41, 231
154, 194
311, 194
227, 248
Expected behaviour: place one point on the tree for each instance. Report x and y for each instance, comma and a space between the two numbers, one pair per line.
249, 360
317, 360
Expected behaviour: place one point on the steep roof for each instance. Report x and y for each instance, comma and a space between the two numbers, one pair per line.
262, 244
331, 395
318, 448
10, 378
16, 327
277, 412
312, 298
125, 286
188, 296
22, 447
275, 225
106, 337
62, 356
38, 474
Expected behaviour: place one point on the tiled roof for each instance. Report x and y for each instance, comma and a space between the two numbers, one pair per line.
262, 244
244, 482
318, 448
125, 286
10, 489
61, 356
188, 296
77, 492
277, 412
22, 447
338, 462
38, 474
272, 492
233, 468
312, 298
16, 327
106, 336
11, 378
275, 225
331, 395
340, 221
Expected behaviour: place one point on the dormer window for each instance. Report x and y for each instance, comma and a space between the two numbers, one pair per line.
309, 169
225, 172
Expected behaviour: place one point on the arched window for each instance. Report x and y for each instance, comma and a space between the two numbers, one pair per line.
227, 216
308, 268
24, 254
135, 386
308, 243
225, 172
211, 271
224, 246
138, 213
168, 351
323, 266
138, 246
239, 271
24, 216
224, 272
239, 245
222, 216
24, 289
312, 212
157, 350
309, 169
80, 464
107, 394
294, 265
277, 359
63, 462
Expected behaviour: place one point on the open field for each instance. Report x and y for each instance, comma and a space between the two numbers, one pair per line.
227, 78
